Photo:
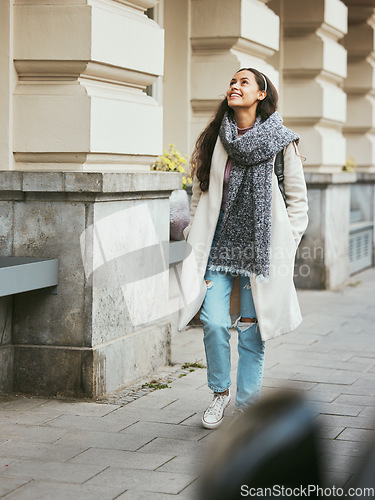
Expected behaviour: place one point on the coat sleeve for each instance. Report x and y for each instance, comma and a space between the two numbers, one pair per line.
295, 191
193, 204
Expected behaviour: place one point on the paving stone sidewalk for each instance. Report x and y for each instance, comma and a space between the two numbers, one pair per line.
152, 447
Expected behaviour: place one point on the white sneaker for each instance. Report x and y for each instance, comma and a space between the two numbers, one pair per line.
214, 414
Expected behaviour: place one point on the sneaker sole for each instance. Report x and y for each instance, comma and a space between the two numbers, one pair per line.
207, 425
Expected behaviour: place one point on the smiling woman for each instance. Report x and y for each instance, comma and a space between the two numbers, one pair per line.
240, 226
244, 92
249, 99
254, 92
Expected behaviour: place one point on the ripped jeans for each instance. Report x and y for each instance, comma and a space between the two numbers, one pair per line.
216, 321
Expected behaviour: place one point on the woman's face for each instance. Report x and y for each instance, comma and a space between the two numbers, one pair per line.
243, 91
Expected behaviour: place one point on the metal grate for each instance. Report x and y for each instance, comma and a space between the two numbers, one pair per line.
360, 246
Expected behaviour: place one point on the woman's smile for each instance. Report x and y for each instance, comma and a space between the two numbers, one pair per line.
234, 95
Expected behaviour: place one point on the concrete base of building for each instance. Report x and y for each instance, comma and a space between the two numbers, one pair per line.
322, 260
108, 323
90, 372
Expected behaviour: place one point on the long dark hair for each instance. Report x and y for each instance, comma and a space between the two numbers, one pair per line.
204, 147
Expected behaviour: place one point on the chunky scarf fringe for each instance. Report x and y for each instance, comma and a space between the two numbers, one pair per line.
247, 217
237, 271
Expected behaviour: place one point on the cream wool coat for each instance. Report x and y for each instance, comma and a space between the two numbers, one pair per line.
275, 301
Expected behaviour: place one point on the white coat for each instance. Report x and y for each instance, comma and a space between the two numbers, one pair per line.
276, 303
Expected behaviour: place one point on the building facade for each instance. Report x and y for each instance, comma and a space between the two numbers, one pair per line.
90, 92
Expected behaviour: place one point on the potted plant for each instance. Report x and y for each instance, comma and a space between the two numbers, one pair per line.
173, 161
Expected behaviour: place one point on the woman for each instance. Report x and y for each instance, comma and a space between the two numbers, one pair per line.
241, 226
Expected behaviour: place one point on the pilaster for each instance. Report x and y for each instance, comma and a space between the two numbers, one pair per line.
83, 67
314, 70
224, 39
360, 85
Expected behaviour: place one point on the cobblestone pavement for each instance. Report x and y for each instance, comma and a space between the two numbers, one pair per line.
144, 444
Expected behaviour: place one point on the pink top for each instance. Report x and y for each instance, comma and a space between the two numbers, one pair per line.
228, 166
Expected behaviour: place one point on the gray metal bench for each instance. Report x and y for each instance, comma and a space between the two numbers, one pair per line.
23, 274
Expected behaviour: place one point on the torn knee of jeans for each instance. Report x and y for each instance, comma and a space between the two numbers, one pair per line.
244, 319
209, 284
244, 325
247, 286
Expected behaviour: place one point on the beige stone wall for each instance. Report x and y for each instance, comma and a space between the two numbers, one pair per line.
74, 80
177, 71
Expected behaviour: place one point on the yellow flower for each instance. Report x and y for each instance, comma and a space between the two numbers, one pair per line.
172, 161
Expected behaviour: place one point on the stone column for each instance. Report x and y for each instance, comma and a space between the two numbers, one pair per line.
314, 105
83, 68
314, 70
80, 190
360, 126
359, 85
223, 39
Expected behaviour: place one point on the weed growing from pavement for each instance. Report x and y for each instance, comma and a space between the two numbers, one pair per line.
192, 365
356, 283
130, 394
154, 384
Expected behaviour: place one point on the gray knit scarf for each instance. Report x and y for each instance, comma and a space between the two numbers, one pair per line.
243, 246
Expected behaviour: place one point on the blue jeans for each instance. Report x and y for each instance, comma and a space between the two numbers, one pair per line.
216, 321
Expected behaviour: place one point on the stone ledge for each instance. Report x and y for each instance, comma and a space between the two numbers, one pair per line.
10, 180
89, 182
366, 177
327, 178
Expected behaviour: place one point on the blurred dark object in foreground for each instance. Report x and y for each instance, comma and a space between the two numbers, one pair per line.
272, 443
271, 451
364, 479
